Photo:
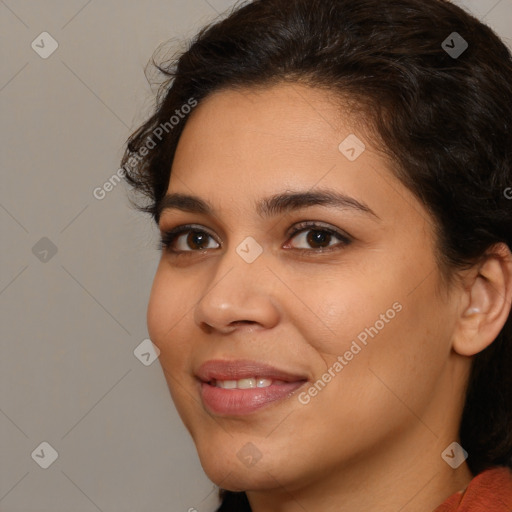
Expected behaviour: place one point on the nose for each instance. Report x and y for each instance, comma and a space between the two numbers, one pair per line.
238, 294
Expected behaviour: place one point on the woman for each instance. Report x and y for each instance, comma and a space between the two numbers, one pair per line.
331, 179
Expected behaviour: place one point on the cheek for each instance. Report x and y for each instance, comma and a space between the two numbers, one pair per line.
333, 306
412, 352
393, 337
166, 305
168, 319
391, 364
167, 314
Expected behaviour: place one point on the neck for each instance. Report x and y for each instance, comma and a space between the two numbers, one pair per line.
405, 476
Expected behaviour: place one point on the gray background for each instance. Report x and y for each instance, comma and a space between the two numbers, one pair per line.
72, 320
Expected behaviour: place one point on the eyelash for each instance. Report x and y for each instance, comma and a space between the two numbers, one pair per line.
169, 237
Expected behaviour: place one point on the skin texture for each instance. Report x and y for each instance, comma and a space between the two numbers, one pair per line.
372, 438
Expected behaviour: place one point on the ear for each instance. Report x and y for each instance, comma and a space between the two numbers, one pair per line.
486, 302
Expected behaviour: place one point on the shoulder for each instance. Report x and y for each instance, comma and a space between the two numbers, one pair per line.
489, 491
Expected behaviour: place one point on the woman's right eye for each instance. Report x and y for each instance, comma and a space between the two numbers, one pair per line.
186, 239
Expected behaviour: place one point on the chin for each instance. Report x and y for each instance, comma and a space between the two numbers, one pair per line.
237, 469
247, 479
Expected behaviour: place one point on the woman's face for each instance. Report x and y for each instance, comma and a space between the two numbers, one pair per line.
348, 307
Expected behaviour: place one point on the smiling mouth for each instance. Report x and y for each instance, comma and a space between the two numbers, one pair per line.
241, 387
250, 383
241, 401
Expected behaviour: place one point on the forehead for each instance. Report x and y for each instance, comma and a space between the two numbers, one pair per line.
285, 118
242, 145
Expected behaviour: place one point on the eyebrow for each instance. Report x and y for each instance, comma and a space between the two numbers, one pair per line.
270, 206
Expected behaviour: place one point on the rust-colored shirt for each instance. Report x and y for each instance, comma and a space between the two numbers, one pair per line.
489, 491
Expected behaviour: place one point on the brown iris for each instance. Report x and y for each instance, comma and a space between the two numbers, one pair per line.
196, 239
318, 238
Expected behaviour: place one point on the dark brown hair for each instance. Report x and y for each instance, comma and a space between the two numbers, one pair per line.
444, 119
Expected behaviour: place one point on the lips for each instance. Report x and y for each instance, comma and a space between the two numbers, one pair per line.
237, 402
243, 369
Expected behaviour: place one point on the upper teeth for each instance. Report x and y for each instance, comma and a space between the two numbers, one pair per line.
245, 383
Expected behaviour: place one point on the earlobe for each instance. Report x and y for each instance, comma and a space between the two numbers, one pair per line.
487, 304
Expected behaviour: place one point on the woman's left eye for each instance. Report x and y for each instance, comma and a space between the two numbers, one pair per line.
318, 238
